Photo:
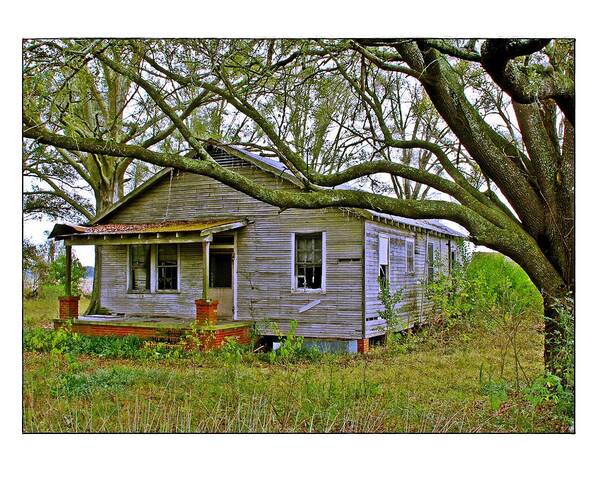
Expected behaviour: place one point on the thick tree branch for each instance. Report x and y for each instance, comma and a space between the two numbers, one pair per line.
527, 84
280, 198
443, 46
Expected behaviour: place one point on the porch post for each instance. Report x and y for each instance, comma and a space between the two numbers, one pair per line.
206, 272
68, 273
206, 310
68, 306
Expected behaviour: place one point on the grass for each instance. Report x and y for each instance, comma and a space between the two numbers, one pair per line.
434, 380
433, 386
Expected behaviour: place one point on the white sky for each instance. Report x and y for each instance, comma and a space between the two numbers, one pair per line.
38, 231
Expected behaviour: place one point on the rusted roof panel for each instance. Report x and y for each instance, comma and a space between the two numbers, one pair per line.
129, 228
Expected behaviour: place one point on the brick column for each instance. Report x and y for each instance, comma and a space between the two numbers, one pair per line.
363, 345
68, 307
206, 311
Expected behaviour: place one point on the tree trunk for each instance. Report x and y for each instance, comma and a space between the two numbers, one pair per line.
104, 198
94, 306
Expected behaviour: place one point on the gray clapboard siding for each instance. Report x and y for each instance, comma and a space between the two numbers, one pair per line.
399, 277
349, 307
264, 256
414, 306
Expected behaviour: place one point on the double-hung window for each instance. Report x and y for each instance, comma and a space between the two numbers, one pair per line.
384, 259
166, 263
410, 255
139, 264
153, 268
430, 262
308, 261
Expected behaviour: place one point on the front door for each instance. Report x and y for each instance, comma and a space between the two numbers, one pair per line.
221, 282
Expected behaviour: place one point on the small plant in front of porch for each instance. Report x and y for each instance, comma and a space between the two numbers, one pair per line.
231, 351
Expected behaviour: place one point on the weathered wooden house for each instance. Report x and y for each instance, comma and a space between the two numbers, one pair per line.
182, 242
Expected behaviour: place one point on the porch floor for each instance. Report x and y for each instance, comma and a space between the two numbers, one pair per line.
164, 328
145, 320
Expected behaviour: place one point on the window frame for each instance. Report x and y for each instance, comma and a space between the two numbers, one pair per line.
157, 267
408, 241
379, 264
294, 279
130, 288
431, 262
153, 271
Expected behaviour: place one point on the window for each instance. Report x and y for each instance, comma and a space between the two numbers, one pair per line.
384, 259
166, 267
309, 260
410, 256
430, 261
139, 273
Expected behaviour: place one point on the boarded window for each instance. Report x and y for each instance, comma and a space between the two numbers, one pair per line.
167, 267
139, 273
430, 262
384, 259
410, 256
220, 270
309, 260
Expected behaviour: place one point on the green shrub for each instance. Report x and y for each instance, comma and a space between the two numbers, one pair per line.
390, 313
231, 351
548, 388
65, 342
58, 272
291, 348
497, 391
482, 290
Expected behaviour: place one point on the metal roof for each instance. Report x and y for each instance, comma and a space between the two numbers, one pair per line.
62, 230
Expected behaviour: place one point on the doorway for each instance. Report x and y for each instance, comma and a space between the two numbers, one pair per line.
221, 282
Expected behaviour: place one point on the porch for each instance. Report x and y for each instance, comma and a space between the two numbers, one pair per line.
160, 328
160, 281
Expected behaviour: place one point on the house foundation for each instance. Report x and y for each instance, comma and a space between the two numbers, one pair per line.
363, 345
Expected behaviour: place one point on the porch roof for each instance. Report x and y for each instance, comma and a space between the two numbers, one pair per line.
198, 230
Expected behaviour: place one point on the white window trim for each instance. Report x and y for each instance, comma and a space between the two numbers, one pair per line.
293, 283
389, 266
406, 243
